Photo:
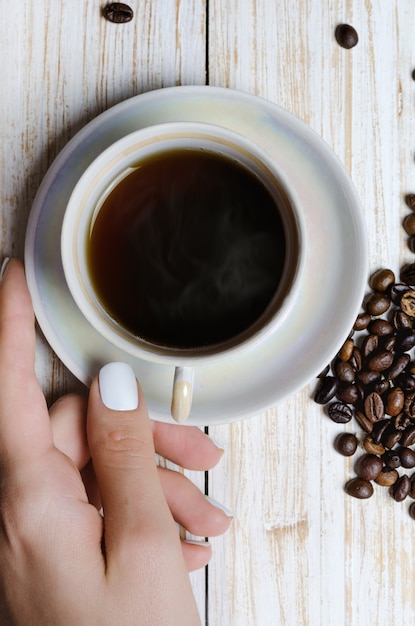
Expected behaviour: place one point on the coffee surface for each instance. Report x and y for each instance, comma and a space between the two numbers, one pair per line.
187, 250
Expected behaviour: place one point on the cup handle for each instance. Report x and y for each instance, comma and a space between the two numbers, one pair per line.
181, 401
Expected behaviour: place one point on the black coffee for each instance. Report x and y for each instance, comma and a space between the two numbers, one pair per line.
187, 250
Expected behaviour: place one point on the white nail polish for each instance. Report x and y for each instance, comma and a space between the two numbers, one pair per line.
118, 387
220, 506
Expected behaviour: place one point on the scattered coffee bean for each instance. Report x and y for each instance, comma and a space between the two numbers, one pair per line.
401, 488
373, 448
340, 413
118, 12
377, 303
344, 371
409, 224
391, 459
359, 488
380, 361
408, 302
347, 393
379, 429
409, 405
390, 437
380, 327
362, 321
394, 401
408, 437
326, 390
364, 423
346, 444
369, 467
407, 456
410, 199
382, 280
401, 320
412, 480
374, 407
412, 507
408, 274
387, 477
397, 291
346, 36
346, 350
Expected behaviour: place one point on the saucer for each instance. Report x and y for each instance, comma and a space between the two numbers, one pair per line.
334, 275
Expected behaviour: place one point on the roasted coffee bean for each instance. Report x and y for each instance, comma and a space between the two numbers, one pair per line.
380, 361
412, 492
380, 327
374, 407
348, 393
346, 36
362, 321
401, 320
412, 507
346, 444
395, 400
398, 367
409, 224
381, 386
411, 368
407, 303
411, 243
391, 437
387, 477
364, 423
326, 390
382, 280
359, 488
405, 340
387, 343
367, 378
410, 199
370, 345
377, 303
406, 381
401, 489
409, 405
324, 372
344, 371
391, 459
408, 274
407, 456
346, 350
378, 430
397, 291
340, 413
402, 422
118, 12
373, 448
369, 467
408, 436
356, 359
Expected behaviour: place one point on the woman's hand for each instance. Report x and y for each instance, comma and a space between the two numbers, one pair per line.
61, 562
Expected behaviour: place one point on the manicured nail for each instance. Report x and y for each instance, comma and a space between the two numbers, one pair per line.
4, 266
217, 444
220, 506
118, 387
195, 542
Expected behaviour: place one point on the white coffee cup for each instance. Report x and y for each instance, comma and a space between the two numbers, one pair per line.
85, 203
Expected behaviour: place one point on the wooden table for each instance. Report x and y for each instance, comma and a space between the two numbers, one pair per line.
300, 552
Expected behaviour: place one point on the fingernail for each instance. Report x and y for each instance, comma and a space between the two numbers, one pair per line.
4, 266
195, 542
217, 444
118, 387
220, 506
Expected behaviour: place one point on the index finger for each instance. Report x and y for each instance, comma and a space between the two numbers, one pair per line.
25, 431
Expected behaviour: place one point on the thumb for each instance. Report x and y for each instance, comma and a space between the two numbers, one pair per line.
122, 450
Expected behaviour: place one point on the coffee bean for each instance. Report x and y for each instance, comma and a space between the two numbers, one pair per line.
118, 12
411, 243
387, 477
409, 405
367, 378
374, 407
324, 372
346, 350
381, 386
410, 199
391, 459
407, 303
409, 224
406, 381
344, 371
402, 422
412, 507
401, 320
408, 274
362, 321
391, 436
369, 467
382, 280
387, 343
370, 345
340, 413
380, 327
394, 401
346, 444
371, 447
380, 361
377, 303
398, 367
346, 36
356, 359
348, 393
405, 340
408, 436
401, 488
364, 423
326, 390
407, 456
378, 430
397, 291
412, 480
359, 488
